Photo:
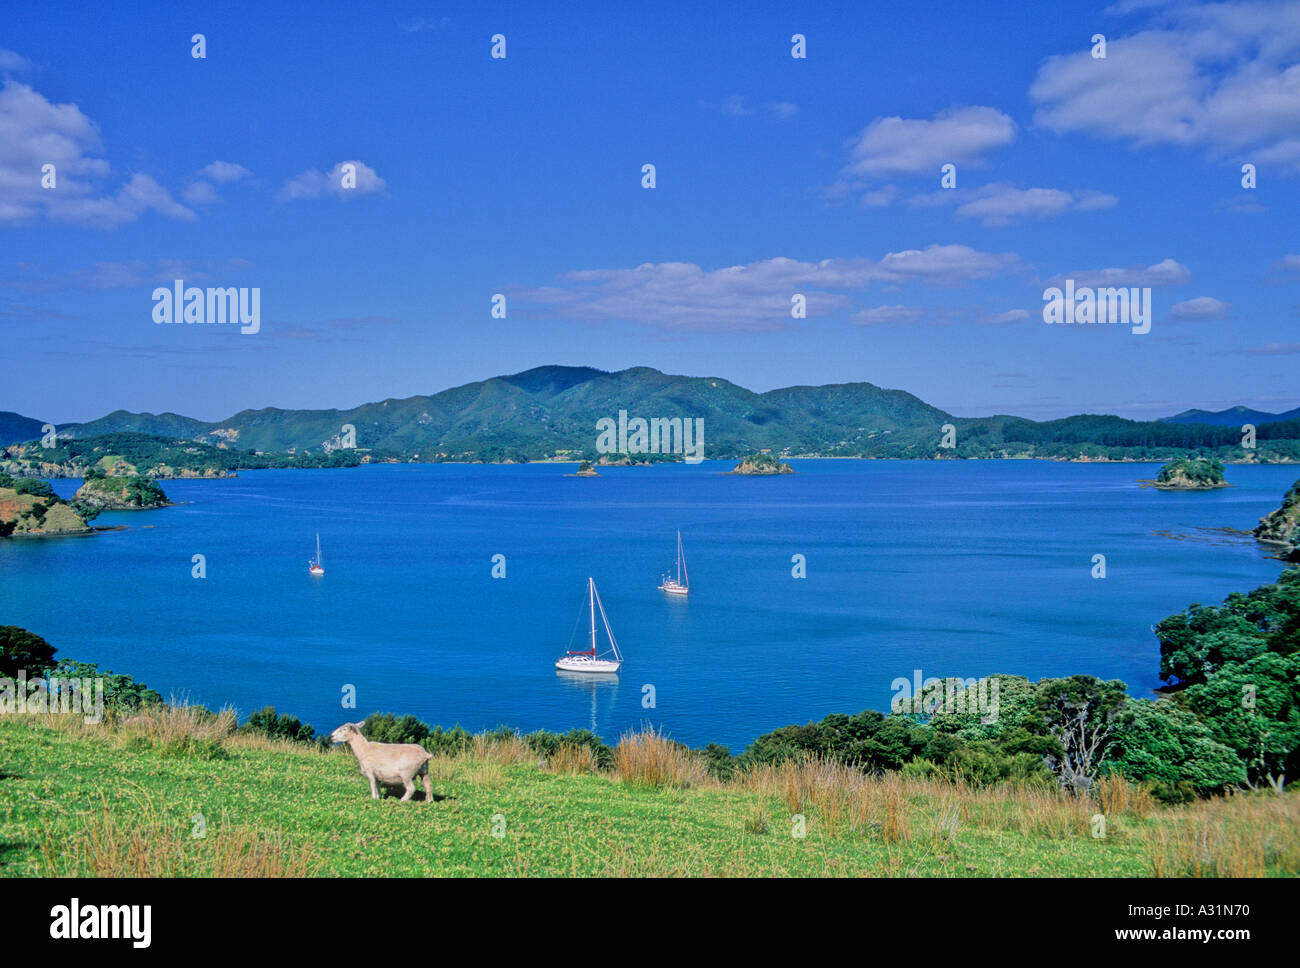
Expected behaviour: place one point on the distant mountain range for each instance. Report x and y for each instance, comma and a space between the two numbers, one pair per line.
1232, 417
553, 411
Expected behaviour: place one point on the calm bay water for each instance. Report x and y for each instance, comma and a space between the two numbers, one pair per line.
958, 568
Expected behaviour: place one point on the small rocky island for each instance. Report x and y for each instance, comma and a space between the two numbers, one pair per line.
585, 470
761, 464
1190, 474
134, 492
29, 506
1282, 527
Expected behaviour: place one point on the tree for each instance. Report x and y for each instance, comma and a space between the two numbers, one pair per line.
1197, 642
1253, 708
1160, 742
121, 692
1079, 713
20, 649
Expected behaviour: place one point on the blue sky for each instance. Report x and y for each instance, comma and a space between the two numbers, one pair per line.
774, 175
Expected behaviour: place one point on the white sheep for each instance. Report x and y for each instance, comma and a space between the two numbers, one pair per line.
391, 764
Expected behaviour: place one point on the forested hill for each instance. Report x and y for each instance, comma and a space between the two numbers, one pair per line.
552, 411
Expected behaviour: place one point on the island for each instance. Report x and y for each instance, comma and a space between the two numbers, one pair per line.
1190, 474
585, 470
134, 492
761, 464
1282, 527
30, 507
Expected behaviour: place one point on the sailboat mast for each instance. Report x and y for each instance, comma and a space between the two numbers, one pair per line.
591, 589
679, 557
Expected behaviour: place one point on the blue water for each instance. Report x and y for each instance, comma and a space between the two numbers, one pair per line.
958, 568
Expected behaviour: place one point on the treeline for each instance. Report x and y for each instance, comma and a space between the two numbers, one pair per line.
147, 452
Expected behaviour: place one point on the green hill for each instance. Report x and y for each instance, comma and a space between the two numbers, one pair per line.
30, 507
167, 795
15, 427
553, 410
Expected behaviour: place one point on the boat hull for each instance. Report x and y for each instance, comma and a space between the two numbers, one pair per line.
585, 664
675, 589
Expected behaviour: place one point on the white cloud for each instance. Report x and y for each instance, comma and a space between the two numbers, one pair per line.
881, 197
1289, 263
223, 172
33, 133
313, 183
1165, 273
738, 106
200, 193
894, 146
1001, 204
1202, 307
1219, 77
679, 295
888, 314
10, 61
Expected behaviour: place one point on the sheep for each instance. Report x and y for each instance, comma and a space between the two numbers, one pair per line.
388, 763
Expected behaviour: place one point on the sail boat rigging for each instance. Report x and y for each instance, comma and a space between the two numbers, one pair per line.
314, 566
681, 585
588, 660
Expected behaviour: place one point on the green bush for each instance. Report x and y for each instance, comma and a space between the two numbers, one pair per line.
388, 728
268, 722
545, 744
121, 692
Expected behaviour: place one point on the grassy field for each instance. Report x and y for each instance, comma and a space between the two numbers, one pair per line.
173, 796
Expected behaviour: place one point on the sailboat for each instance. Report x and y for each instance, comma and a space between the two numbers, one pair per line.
681, 585
314, 566
589, 661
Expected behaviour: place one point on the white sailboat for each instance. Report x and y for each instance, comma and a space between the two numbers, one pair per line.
681, 585
589, 661
314, 566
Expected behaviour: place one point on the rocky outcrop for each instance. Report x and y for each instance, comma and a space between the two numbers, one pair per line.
137, 493
761, 464
1282, 527
1191, 474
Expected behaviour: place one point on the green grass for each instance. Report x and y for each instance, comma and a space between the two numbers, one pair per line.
70, 797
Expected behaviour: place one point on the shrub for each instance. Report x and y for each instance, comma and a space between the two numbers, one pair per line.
448, 742
121, 692
546, 744
387, 728
267, 722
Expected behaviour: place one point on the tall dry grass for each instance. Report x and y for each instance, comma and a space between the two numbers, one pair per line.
104, 846
508, 749
649, 758
176, 722
839, 797
1250, 835
569, 759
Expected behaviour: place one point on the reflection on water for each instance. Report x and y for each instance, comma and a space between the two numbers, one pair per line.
600, 687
